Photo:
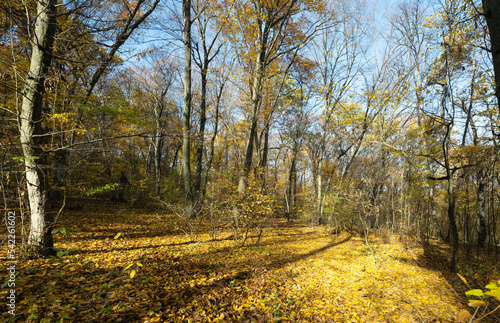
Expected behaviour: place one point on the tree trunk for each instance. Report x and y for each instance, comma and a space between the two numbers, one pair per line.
434, 213
186, 120
453, 224
157, 148
256, 88
40, 237
481, 218
201, 134
292, 182
212, 150
264, 157
492, 14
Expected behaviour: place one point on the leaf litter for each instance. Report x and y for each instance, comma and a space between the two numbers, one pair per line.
132, 267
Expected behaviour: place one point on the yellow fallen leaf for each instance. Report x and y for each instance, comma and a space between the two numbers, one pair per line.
132, 274
476, 303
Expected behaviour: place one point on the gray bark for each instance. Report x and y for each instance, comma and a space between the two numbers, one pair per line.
186, 120
40, 237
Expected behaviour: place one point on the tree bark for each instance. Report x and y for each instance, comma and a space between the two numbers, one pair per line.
453, 224
40, 237
481, 218
186, 120
201, 134
492, 15
256, 88
157, 145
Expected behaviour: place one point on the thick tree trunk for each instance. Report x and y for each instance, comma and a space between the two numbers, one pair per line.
492, 15
40, 237
186, 120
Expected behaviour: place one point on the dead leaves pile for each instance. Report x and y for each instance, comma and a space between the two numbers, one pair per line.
295, 274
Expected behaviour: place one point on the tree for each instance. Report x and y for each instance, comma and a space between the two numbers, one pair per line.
206, 50
491, 10
30, 120
266, 30
33, 132
186, 119
339, 52
154, 86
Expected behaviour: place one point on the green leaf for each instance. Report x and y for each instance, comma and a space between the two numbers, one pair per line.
55, 231
494, 293
492, 286
21, 159
474, 292
60, 253
63, 230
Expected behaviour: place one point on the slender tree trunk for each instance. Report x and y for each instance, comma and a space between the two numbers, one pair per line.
292, 182
201, 134
264, 157
434, 213
186, 120
481, 218
40, 238
453, 232
212, 151
256, 88
157, 157
453, 224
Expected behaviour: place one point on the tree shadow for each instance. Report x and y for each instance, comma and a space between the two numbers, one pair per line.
436, 257
85, 291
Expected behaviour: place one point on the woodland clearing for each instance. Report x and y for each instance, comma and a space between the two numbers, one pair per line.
153, 272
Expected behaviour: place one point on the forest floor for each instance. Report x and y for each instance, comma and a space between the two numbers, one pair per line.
152, 272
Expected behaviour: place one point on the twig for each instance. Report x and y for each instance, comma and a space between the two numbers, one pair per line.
482, 317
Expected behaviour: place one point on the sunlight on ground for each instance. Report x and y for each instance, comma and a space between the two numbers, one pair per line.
294, 274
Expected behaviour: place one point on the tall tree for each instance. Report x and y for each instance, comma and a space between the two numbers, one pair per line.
339, 52
33, 133
206, 50
492, 14
186, 119
30, 120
